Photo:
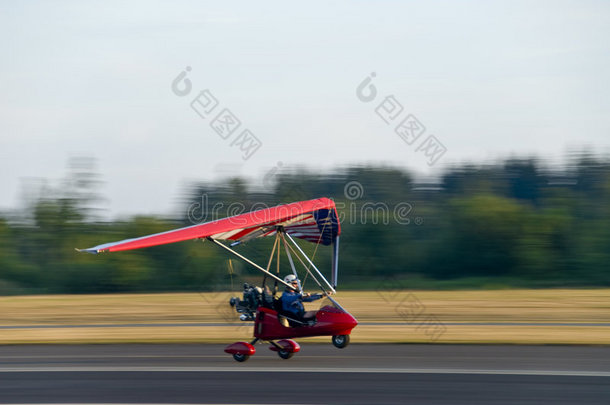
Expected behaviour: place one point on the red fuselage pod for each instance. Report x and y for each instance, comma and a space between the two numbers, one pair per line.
287, 345
242, 348
330, 321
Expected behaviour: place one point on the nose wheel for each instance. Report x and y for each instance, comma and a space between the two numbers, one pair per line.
340, 341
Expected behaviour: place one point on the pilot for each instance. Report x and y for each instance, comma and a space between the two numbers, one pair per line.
292, 300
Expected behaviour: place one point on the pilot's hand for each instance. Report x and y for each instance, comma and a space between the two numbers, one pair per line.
306, 295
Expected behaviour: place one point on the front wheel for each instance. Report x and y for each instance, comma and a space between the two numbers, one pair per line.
340, 341
284, 354
240, 357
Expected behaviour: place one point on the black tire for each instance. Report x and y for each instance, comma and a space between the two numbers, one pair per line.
284, 354
340, 341
240, 357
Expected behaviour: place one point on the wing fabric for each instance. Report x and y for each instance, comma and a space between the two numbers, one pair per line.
313, 220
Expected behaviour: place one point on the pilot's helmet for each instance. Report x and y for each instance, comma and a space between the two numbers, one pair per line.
291, 278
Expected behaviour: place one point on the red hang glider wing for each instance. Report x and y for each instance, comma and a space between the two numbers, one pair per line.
312, 220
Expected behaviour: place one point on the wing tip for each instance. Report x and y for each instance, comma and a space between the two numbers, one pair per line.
92, 251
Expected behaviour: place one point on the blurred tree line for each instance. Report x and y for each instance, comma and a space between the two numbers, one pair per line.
512, 223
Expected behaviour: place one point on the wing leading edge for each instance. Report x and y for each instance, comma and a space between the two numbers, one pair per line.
313, 220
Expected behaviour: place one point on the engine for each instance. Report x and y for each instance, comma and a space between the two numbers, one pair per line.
252, 299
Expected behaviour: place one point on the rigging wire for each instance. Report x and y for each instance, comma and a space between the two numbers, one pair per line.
308, 271
315, 251
231, 271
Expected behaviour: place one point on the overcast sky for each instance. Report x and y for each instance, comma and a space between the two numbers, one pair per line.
486, 79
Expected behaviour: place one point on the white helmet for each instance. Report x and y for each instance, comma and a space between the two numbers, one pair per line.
291, 278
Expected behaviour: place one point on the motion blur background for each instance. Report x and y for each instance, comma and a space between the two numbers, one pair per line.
515, 223
97, 145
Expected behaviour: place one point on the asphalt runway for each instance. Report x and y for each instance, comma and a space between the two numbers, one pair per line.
319, 374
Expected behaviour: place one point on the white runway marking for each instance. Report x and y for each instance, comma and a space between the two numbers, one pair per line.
361, 370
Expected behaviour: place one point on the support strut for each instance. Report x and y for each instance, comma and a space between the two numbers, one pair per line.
250, 262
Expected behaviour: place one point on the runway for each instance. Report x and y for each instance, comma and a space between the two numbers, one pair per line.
320, 374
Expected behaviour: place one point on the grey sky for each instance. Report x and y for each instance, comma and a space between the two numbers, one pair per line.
486, 78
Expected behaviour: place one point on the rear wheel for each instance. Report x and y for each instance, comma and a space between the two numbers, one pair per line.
340, 341
284, 354
240, 357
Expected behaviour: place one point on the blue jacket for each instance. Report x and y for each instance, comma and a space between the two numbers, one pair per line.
292, 301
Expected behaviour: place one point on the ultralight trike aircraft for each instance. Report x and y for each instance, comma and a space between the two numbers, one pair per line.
315, 221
